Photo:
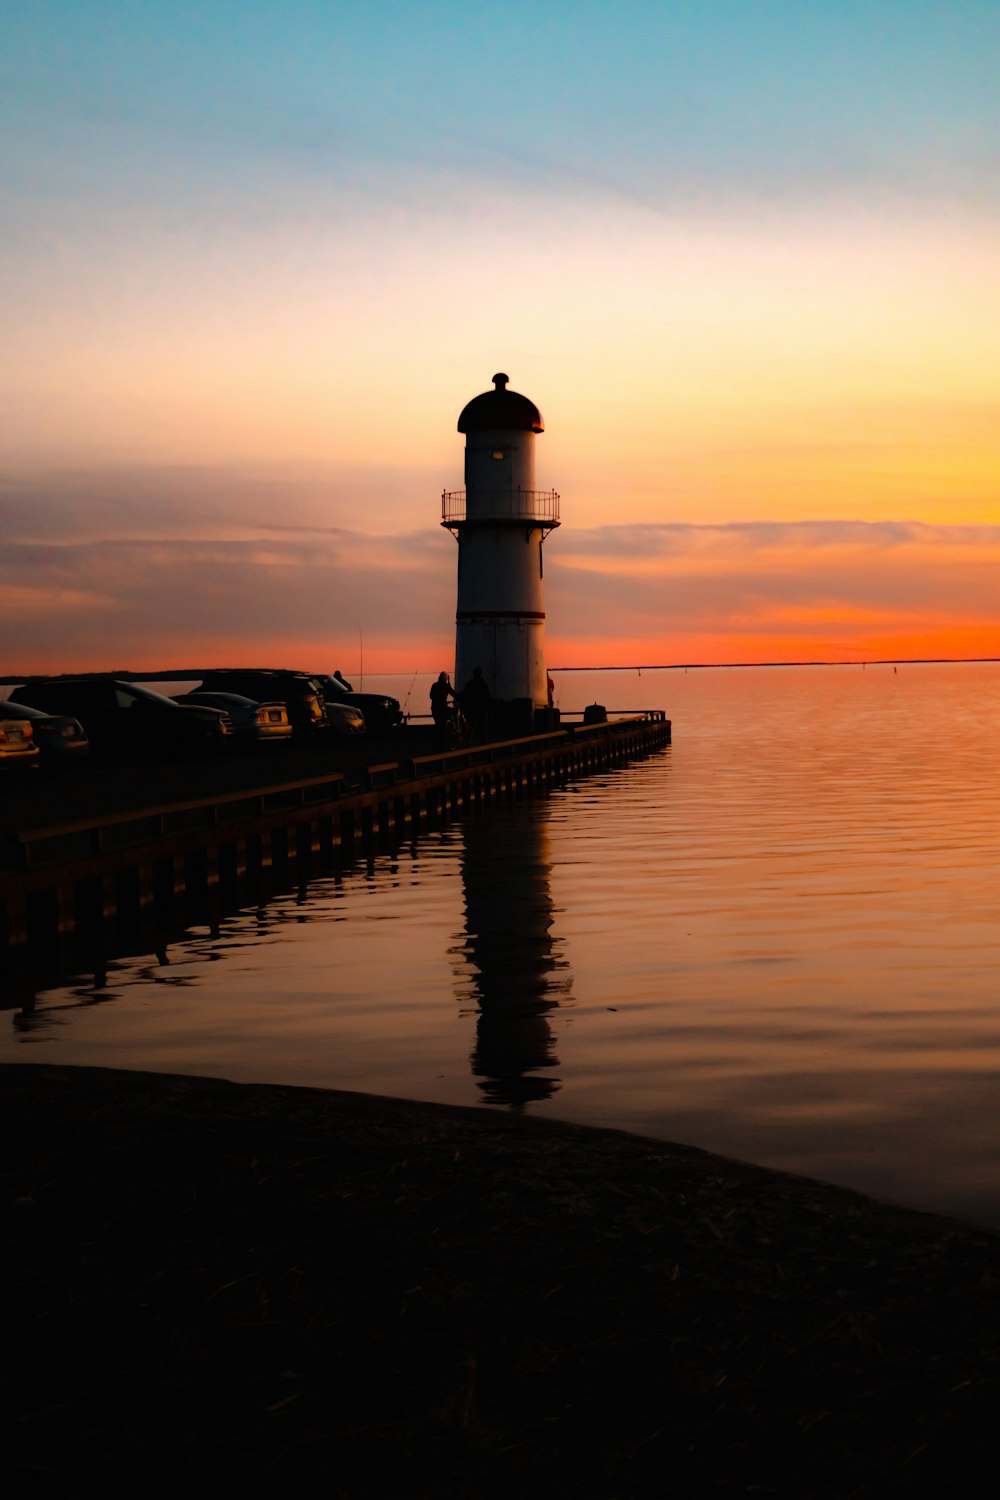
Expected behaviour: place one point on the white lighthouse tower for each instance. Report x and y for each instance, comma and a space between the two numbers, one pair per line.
500, 522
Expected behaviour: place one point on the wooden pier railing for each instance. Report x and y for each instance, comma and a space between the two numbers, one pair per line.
147, 867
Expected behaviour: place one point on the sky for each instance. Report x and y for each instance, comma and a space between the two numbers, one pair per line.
256, 255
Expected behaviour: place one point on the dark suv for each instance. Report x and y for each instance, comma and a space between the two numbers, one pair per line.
295, 689
381, 712
125, 719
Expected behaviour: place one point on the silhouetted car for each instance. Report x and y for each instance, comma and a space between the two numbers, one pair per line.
18, 750
126, 719
253, 723
60, 739
294, 689
344, 718
381, 712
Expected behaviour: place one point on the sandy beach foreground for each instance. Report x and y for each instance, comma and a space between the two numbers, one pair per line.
214, 1287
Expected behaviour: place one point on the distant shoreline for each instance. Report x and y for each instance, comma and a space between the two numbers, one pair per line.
703, 666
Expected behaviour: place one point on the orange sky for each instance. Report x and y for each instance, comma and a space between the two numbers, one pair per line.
764, 335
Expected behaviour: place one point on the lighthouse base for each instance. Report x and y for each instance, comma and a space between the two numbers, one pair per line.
510, 650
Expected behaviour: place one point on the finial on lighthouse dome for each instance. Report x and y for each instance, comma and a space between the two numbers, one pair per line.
501, 408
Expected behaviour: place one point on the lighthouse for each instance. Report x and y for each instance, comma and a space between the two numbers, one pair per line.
500, 521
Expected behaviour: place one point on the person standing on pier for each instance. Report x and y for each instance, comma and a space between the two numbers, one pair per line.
476, 704
442, 696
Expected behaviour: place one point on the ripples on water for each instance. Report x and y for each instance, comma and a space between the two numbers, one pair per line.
777, 940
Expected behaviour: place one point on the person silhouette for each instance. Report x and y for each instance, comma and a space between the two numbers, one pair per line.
476, 704
442, 697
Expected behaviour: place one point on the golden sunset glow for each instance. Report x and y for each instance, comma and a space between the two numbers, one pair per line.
251, 341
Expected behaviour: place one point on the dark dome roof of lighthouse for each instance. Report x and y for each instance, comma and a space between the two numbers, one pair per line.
501, 408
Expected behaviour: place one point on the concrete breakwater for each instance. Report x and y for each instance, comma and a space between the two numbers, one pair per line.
148, 870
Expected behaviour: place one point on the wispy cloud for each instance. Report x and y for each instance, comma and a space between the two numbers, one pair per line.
845, 586
781, 589
684, 540
95, 604
189, 501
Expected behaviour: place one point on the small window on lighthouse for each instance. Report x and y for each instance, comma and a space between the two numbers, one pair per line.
498, 453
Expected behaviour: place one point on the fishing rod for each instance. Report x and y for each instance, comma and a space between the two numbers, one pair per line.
409, 690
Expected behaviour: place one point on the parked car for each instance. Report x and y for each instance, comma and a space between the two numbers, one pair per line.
381, 712
18, 750
254, 723
344, 718
123, 718
294, 689
60, 738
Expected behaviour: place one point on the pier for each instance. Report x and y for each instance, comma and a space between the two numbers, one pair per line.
152, 867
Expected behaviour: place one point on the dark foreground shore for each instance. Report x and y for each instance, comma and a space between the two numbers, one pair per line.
215, 1288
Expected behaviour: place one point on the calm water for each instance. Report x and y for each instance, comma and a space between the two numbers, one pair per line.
778, 940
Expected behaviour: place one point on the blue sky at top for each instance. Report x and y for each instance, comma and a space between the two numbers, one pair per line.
659, 100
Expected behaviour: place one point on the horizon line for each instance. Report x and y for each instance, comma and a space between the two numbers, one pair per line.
867, 661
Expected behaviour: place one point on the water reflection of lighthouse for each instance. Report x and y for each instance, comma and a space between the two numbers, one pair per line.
516, 973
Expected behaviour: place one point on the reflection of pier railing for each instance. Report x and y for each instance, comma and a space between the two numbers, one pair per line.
150, 864
538, 506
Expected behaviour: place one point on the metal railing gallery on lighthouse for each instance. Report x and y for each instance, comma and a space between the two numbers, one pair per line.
537, 507
500, 521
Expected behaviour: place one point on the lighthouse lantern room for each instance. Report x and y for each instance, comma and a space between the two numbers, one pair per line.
500, 521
